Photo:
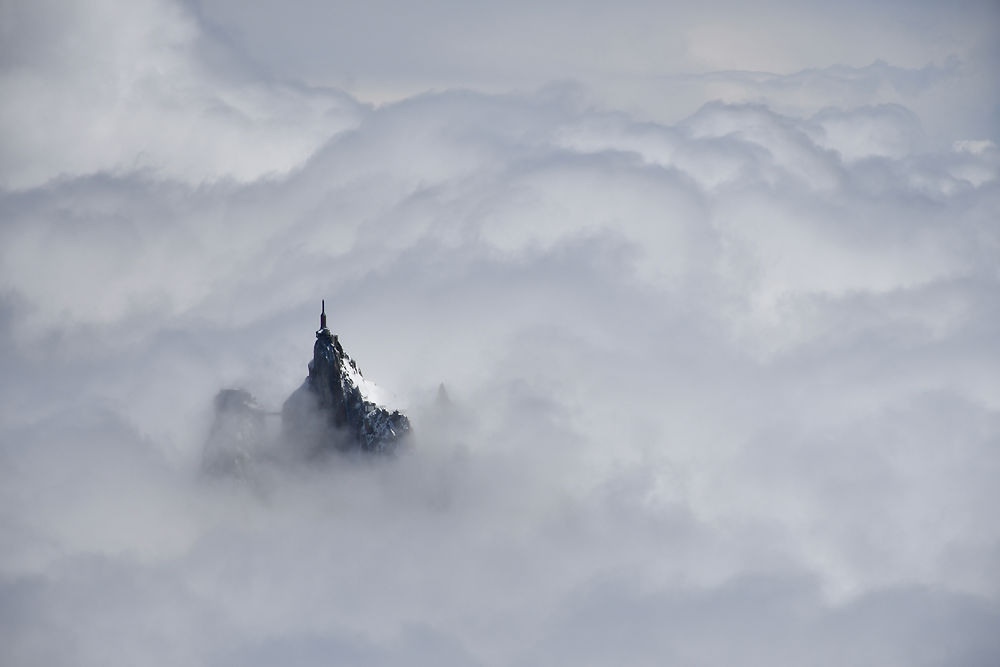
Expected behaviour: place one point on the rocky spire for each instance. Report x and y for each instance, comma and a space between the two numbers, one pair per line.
332, 409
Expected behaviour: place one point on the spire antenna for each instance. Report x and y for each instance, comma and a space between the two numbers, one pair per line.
322, 316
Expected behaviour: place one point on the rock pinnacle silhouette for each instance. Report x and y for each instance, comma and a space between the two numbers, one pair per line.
335, 409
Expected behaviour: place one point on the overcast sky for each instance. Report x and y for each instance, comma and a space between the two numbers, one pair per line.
714, 289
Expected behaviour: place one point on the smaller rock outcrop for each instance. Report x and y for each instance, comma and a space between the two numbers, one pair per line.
237, 435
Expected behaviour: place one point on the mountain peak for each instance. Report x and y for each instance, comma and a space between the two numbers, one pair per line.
334, 410
336, 407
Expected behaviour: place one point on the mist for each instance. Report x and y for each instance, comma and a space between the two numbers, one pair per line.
717, 315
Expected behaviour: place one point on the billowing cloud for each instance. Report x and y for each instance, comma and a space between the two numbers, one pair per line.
724, 383
94, 87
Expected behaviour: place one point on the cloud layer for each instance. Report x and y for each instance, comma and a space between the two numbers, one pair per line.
725, 381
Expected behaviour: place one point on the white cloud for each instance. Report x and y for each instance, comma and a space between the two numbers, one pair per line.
95, 87
726, 384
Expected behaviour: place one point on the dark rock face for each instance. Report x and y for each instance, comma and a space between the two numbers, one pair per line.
332, 410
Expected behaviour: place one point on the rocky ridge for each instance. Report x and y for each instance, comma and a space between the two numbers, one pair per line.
334, 410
